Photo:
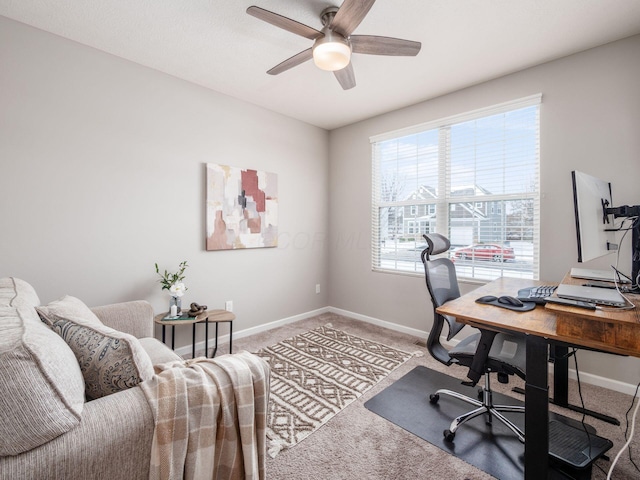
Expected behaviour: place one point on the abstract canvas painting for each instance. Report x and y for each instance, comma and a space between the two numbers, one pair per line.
242, 208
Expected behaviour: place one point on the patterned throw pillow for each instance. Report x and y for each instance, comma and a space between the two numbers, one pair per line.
107, 358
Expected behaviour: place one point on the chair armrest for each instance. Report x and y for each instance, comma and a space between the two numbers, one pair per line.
478, 365
113, 440
134, 318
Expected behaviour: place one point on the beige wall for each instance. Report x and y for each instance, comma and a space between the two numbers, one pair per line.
590, 121
102, 175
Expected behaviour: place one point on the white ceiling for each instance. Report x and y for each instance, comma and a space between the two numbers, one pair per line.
214, 43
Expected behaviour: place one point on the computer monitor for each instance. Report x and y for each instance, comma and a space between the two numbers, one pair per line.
590, 198
595, 213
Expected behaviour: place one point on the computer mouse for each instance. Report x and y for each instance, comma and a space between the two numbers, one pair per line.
506, 300
486, 299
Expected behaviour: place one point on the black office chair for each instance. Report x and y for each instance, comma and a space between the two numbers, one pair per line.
506, 353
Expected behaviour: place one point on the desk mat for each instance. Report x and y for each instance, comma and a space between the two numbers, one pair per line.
493, 449
526, 306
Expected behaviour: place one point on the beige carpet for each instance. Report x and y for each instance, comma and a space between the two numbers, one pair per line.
358, 444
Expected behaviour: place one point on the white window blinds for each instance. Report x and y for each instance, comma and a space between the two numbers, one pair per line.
472, 177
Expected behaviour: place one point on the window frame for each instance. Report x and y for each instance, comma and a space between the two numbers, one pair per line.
445, 205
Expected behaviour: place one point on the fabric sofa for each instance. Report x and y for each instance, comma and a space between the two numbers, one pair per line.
64, 412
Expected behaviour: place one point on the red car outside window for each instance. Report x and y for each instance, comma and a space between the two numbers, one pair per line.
485, 251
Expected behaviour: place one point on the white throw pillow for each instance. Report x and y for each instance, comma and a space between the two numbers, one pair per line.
69, 307
43, 390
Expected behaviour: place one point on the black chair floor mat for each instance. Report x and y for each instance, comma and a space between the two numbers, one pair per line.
491, 448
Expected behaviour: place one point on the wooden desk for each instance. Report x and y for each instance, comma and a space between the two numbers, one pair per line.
617, 332
607, 329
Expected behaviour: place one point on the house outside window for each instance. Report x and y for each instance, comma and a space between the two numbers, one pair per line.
473, 178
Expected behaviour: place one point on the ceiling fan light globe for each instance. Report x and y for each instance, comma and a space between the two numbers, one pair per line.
332, 51
331, 56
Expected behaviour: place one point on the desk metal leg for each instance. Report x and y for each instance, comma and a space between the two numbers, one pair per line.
559, 355
230, 337
173, 337
536, 445
561, 385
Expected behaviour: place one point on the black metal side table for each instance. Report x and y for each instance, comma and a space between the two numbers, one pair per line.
216, 316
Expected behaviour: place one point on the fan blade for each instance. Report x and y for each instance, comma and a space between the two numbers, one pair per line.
346, 77
374, 45
296, 60
349, 16
284, 23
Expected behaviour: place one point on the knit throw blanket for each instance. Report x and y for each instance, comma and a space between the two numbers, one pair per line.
210, 418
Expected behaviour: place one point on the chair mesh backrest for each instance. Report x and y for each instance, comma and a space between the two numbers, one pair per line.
442, 283
440, 273
441, 280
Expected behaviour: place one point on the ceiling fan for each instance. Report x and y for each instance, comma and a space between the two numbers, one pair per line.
334, 44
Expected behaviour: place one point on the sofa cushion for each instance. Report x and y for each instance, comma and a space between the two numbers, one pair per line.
42, 393
15, 292
69, 307
158, 351
110, 361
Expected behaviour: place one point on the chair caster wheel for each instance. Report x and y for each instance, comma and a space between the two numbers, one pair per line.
433, 398
449, 435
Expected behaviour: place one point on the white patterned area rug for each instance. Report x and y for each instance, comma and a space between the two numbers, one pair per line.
315, 375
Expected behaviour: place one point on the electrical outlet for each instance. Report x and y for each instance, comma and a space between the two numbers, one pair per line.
228, 305
317, 288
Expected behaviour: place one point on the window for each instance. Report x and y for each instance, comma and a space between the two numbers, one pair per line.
472, 177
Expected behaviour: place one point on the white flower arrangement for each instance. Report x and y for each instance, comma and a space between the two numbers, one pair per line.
173, 281
177, 289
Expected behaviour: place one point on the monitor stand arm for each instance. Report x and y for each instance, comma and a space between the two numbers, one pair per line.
626, 211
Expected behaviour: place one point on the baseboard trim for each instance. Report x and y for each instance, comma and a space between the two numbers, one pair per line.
222, 339
585, 377
422, 334
598, 381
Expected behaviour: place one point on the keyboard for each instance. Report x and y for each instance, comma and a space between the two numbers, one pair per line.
536, 294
